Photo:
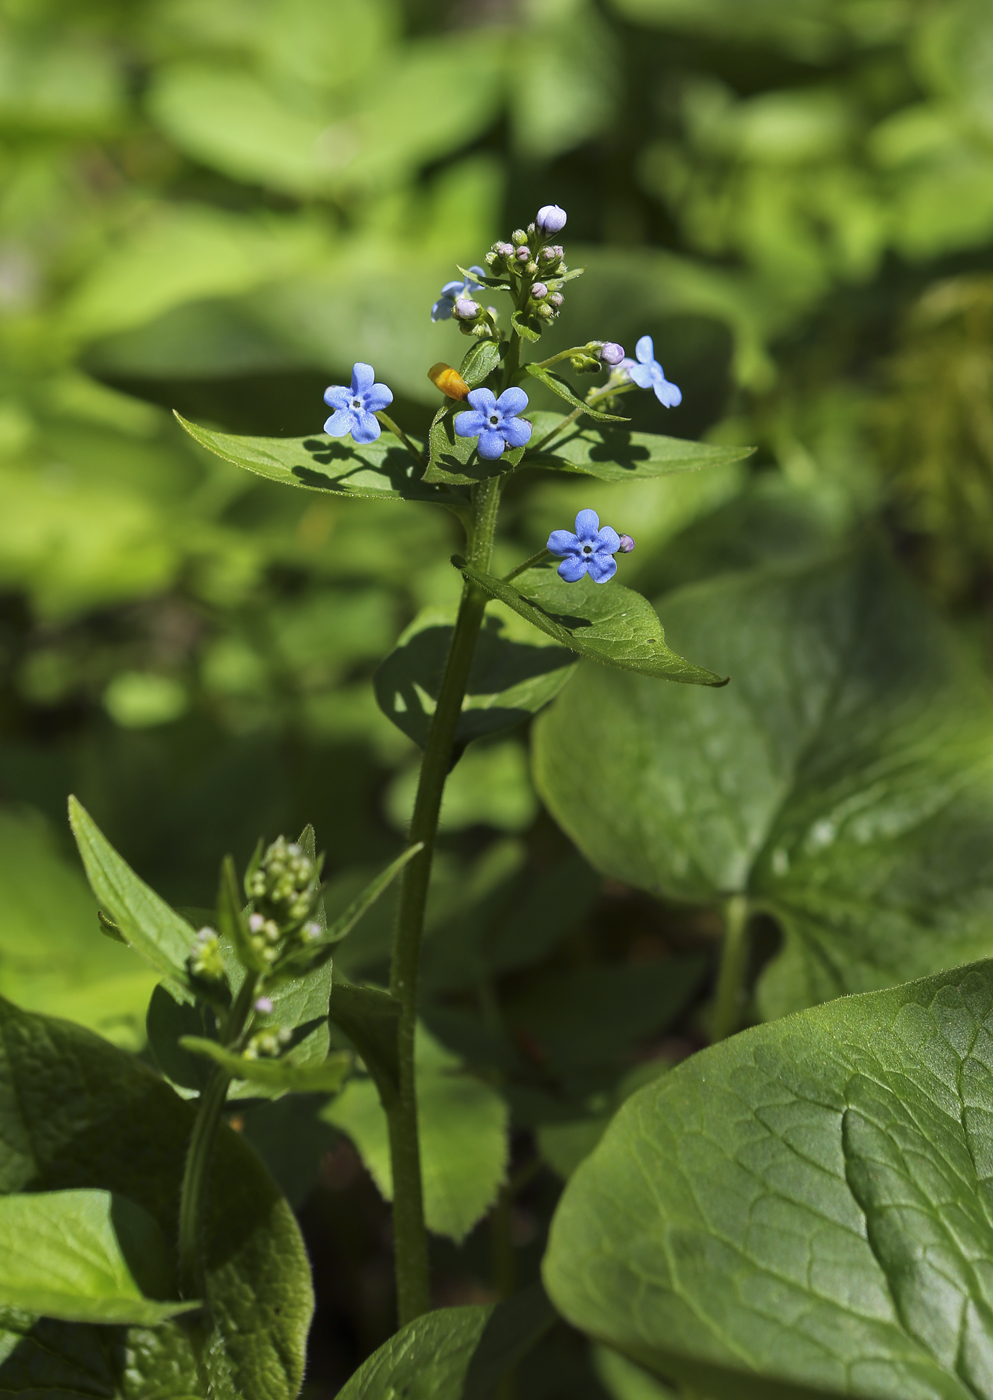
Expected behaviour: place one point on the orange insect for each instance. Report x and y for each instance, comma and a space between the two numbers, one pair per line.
448, 380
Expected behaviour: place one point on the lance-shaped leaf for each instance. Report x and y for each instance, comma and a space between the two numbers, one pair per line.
606, 622
515, 672
370, 1017
463, 1133
616, 454
85, 1256
231, 919
558, 386
281, 1075
521, 326
381, 470
843, 783
805, 1207
480, 360
144, 920
454, 1353
79, 1114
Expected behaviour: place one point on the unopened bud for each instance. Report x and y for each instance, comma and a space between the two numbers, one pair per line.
519, 236
539, 291
544, 311
523, 254
612, 354
626, 545
551, 218
263, 1005
556, 299
466, 309
504, 250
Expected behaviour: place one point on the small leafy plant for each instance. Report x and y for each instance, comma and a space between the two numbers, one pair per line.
799, 1210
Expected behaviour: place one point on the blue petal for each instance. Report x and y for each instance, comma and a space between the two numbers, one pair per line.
642, 376
491, 444
562, 542
587, 524
337, 396
512, 400
602, 567
442, 309
452, 289
645, 351
367, 427
608, 541
469, 424
667, 394
363, 377
572, 569
379, 396
482, 399
340, 423
517, 431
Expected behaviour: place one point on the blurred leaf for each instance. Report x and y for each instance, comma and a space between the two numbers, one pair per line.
151, 928
59, 88
842, 781
490, 786
140, 700
563, 1145
291, 1140
82, 1115
615, 454
463, 1127
454, 1353
85, 1256
167, 1021
513, 675
623, 1380
836, 1161
369, 1017
281, 1075
608, 622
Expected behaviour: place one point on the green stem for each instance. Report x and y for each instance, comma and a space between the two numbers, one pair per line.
591, 399
528, 564
409, 1234
729, 995
196, 1172
388, 422
565, 355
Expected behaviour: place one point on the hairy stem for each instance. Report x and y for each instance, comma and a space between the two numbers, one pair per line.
388, 423
528, 564
409, 1233
728, 998
196, 1172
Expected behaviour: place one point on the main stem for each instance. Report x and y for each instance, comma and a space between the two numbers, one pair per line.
196, 1173
731, 974
409, 1233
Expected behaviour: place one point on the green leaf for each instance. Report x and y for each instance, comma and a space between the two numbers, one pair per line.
606, 622
383, 470
463, 1127
282, 1075
843, 782
231, 920
150, 927
166, 1022
521, 326
369, 1018
454, 1353
514, 674
480, 360
85, 1256
79, 1114
561, 388
616, 454
454, 460
805, 1206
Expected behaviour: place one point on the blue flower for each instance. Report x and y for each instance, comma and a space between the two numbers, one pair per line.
551, 219
494, 421
647, 374
451, 291
355, 409
588, 551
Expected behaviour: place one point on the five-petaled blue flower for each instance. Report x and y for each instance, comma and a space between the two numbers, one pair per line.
495, 421
451, 291
589, 551
355, 409
647, 374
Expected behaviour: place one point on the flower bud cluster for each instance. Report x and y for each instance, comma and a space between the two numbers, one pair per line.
267, 1043
284, 887
474, 319
205, 956
533, 268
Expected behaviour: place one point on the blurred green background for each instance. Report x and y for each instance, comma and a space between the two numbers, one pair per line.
218, 205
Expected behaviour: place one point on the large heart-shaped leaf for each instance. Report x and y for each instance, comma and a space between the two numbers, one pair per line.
382, 470
515, 672
78, 1114
805, 1208
615, 454
84, 1256
843, 781
607, 622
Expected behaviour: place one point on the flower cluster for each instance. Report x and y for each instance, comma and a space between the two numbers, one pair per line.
284, 887
590, 550
205, 959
